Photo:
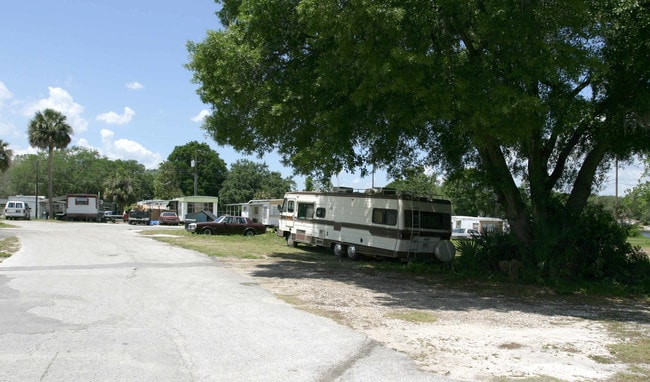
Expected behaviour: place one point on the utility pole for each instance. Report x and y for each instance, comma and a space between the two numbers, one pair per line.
194, 164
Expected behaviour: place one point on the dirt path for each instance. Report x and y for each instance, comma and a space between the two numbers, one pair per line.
470, 334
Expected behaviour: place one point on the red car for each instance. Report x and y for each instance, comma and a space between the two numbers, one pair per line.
228, 225
169, 218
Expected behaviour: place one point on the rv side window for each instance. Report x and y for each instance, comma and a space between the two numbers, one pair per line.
384, 216
320, 212
427, 219
305, 211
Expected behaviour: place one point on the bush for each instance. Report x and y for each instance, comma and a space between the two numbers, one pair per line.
486, 254
591, 247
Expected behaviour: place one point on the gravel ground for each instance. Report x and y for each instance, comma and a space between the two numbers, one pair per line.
473, 334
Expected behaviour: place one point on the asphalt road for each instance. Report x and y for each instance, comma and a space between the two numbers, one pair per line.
99, 302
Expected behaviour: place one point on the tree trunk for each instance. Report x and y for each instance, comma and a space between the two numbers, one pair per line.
507, 192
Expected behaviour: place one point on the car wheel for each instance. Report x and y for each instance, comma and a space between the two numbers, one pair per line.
206, 231
249, 232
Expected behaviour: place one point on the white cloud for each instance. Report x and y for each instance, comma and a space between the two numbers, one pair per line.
135, 85
61, 101
127, 149
5, 94
112, 118
201, 116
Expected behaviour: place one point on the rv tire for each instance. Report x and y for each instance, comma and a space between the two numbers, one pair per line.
291, 242
352, 253
339, 250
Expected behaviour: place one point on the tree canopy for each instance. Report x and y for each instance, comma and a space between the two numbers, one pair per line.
538, 93
248, 180
210, 169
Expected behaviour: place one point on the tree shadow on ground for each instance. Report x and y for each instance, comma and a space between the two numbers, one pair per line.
404, 290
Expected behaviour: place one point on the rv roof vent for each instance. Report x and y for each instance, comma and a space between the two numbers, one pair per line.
342, 189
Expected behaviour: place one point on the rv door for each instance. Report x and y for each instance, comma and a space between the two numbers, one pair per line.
288, 213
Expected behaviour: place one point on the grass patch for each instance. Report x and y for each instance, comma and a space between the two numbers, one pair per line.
300, 304
234, 246
9, 246
632, 349
641, 241
412, 315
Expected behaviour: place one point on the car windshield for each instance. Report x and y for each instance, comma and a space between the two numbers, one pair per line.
220, 219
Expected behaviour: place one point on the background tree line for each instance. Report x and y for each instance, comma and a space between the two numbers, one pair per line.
82, 170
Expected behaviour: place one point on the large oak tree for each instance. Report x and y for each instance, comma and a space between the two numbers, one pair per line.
541, 93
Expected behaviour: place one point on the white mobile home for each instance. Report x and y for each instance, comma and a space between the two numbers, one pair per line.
479, 223
265, 211
191, 204
373, 223
83, 207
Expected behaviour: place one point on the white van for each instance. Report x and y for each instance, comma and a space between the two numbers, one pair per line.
17, 210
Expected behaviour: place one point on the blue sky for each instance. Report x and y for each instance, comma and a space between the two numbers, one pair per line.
116, 70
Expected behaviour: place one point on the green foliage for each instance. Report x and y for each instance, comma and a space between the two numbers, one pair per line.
166, 182
470, 194
248, 180
593, 248
210, 170
417, 182
5, 156
76, 170
481, 256
596, 248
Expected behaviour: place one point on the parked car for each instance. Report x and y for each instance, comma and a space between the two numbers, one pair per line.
169, 218
464, 233
228, 225
17, 210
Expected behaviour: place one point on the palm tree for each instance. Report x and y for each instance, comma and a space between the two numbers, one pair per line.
5, 156
49, 130
119, 189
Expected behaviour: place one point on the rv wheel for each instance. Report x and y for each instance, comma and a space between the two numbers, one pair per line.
291, 242
339, 250
352, 253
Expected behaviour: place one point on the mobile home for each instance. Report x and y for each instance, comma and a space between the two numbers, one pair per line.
479, 223
265, 211
83, 207
192, 204
378, 222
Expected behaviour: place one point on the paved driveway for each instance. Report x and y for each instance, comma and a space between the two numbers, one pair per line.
99, 302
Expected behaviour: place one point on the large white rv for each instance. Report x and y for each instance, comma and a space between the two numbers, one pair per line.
374, 223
